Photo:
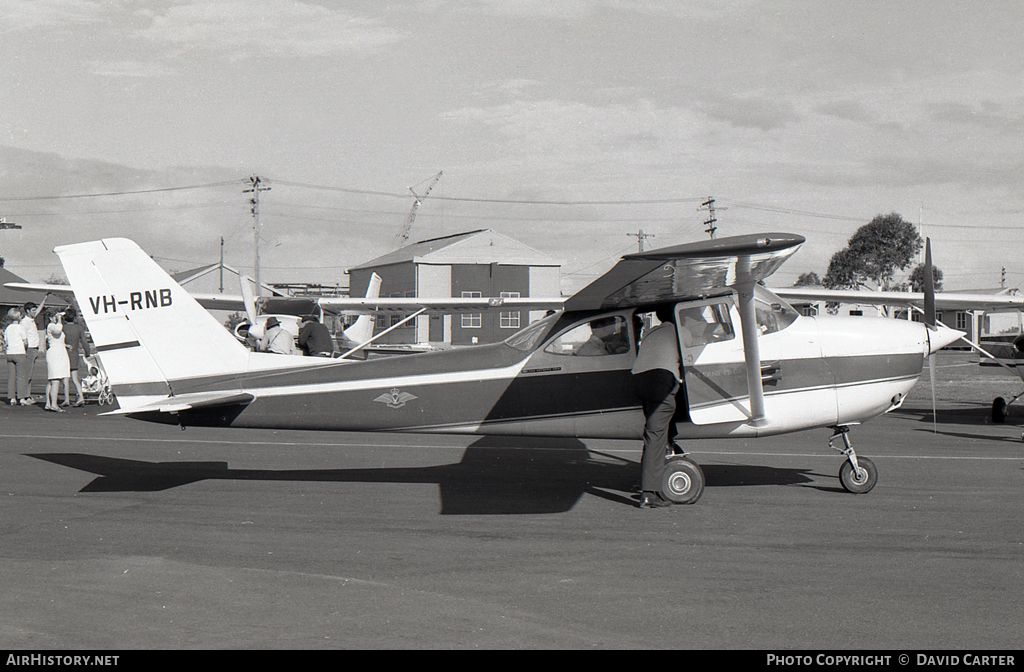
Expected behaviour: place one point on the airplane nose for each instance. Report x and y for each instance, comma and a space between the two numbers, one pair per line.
940, 336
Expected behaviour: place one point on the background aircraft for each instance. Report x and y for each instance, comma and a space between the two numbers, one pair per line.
759, 370
359, 335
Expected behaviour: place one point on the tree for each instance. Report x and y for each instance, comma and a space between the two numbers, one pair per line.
916, 279
808, 279
874, 253
233, 320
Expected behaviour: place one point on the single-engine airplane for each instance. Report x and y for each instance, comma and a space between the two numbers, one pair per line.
760, 369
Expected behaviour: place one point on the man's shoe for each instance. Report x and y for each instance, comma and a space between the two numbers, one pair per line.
652, 500
28, 401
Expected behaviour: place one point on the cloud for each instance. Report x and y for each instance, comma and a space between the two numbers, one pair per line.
137, 69
849, 110
766, 114
21, 15
990, 116
244, 28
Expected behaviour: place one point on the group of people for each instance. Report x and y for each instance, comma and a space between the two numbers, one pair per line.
59, 335
314, 339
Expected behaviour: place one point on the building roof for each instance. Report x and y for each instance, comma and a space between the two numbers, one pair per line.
482, 246
185, 277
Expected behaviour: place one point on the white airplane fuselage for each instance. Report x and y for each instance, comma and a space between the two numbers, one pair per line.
817, 372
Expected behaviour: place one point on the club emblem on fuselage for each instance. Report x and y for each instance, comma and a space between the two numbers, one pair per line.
395, 398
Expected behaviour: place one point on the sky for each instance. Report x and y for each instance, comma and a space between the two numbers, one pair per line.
567, 125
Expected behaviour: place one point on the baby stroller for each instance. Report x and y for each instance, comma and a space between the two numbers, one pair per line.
96, 382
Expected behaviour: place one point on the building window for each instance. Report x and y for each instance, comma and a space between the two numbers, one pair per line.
961, 320
472, 320
509, 320
391, 319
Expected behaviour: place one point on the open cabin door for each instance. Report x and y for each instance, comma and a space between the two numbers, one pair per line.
714, 371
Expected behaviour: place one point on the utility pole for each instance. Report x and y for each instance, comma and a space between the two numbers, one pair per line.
257, 187
710, 221
221, 269
640, 238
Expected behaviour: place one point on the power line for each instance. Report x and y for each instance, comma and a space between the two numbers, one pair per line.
118, 193
789, 211
501, 201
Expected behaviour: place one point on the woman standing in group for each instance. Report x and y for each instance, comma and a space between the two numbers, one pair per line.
17, 364
74, 338
58, 367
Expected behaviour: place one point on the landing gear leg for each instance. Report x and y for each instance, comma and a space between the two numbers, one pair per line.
858, 475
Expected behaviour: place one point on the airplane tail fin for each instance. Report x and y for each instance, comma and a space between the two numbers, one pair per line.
148, 331
362, 329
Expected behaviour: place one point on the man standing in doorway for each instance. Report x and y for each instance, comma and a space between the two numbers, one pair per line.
656, 380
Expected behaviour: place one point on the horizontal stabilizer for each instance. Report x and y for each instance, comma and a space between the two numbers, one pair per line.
58, 290
191, 401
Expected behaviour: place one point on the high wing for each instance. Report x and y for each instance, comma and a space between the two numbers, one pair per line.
992, 303
689, 271
695, 271
343, 305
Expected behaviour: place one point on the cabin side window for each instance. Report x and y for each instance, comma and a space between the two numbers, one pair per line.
705, 324
603, 336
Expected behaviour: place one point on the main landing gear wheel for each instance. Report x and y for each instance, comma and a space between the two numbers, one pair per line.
682, 481
860, 480
998, 410
857, 474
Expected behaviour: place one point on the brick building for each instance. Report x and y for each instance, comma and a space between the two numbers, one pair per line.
479, 263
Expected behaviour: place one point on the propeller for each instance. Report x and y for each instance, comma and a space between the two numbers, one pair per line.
929, 285
248, 299
929, 318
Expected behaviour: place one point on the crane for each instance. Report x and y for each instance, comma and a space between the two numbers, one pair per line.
403, 235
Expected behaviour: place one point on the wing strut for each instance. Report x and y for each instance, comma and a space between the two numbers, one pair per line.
376, 336
751, 349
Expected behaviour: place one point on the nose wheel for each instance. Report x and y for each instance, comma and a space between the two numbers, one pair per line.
857, 474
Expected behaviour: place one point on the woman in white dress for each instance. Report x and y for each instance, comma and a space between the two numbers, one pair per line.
58, 366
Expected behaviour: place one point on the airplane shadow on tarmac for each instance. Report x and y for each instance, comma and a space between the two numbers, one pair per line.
968, 417
496, 476
943, 416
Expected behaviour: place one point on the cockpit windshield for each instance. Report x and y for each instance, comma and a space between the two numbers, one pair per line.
526, 338
773, 314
